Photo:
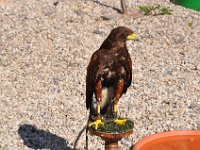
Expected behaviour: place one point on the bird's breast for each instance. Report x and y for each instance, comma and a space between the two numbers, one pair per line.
113, 73
107, 95
108, 76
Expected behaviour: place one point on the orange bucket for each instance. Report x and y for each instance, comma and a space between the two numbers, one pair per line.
172, 140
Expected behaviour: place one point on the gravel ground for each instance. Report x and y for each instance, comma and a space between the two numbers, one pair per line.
45, 48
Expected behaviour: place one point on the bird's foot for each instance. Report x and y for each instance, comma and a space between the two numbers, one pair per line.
120, 121
96, 123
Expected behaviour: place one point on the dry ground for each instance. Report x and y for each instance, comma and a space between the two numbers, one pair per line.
45, 48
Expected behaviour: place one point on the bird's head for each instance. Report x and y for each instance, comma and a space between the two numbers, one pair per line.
118, 37
122, 34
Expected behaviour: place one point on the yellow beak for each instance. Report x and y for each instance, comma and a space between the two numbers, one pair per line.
131, 37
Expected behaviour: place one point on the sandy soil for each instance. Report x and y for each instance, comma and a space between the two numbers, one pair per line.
45, 48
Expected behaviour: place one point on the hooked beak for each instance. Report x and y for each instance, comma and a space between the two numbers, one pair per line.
131, 37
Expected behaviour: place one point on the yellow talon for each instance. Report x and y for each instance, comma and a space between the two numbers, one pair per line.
120, 121
98, 109
115, 108
96, 123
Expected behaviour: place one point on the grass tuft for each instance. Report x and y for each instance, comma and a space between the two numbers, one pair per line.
111, 127
155, 10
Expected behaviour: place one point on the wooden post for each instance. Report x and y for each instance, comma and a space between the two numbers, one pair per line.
111, 144
123, 5
111, 139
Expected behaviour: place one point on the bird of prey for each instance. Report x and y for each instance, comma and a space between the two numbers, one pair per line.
109, 74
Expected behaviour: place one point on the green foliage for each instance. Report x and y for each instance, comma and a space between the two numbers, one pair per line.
155, 10
112, 127
149, 10
190, 24
115, 128
165, 11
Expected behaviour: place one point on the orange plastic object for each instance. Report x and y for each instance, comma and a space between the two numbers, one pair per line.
172, 140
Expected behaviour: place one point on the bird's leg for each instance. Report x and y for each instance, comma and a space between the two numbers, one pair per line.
98, 92
118, 93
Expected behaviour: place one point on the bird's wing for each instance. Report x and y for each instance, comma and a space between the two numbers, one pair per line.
128, 68
90, 78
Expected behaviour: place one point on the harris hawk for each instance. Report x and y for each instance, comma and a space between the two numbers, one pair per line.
109, 74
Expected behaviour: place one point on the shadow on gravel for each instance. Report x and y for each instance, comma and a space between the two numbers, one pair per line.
40, 139
99, 3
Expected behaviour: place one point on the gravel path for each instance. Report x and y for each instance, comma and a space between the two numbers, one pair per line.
45, 48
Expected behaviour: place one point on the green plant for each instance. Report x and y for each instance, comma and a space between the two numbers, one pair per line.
149, 10
155, 9
111, 127
190, 24
165, 11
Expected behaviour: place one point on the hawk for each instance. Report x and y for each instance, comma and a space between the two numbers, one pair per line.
109, 74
